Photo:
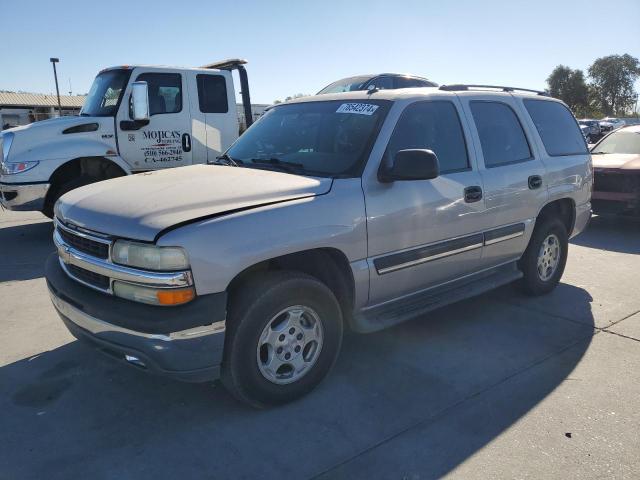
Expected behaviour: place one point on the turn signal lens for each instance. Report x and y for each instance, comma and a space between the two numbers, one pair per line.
175, 297
153, 296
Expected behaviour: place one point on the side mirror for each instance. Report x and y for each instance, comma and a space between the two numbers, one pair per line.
412, 164
140, 101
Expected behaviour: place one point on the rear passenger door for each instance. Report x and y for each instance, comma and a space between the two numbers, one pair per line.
512, 174
423, 232
214, 114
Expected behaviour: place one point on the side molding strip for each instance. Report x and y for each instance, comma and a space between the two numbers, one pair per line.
417, 256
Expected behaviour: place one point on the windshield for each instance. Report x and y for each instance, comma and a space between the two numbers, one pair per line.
312, 138
620, 142
105, 93
350, 84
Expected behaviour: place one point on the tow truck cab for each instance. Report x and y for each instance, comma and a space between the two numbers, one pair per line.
191, 117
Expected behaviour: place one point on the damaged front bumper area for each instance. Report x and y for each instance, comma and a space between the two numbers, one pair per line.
616, 191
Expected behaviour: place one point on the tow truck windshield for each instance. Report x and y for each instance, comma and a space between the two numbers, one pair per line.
330, 139
104, 96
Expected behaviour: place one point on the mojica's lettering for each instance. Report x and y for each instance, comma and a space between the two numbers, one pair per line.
161, 134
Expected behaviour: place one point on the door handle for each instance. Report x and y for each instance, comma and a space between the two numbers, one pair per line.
535, 181
473, 194
186, 142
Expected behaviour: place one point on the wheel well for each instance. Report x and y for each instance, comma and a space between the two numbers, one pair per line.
98, 168
565, 209
328, 265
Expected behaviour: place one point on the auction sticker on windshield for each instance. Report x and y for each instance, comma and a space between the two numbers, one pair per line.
359, 108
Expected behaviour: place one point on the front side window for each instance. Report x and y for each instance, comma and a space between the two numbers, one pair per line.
557, 128
410, 82
501, 135
315, 138
622, 141
212, 94
104, 95
382, 83
434, 126
165, 92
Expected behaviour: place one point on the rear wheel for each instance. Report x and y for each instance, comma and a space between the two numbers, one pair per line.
545, 258
283, 336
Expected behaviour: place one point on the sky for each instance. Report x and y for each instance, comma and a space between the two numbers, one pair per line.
300, 47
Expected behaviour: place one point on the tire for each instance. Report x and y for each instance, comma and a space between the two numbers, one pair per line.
263, 307
62, 189
541, 279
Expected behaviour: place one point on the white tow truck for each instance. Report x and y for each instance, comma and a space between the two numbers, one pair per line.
182, 116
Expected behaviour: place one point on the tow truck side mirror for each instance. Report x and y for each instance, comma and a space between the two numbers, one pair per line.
138, 107
140, 101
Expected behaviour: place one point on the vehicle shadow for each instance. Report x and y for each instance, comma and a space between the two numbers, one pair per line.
24, 249
616, 234
72, 413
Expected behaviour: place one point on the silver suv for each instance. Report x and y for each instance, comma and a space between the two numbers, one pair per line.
354, 210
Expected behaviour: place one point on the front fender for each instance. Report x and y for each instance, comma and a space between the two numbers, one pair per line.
221, 248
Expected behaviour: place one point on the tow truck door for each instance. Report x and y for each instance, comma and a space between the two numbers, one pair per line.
214, 113
165, 141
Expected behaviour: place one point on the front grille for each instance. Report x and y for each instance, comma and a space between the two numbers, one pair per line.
85, 245
92, 278
616, 182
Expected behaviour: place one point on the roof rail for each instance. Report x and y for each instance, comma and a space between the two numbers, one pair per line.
460, 87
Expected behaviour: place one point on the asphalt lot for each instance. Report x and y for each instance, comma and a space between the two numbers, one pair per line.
501, 386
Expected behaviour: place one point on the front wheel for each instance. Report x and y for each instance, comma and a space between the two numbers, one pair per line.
545, 258
283, 336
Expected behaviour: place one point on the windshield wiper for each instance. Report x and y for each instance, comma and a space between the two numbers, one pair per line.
279, 164
225, 159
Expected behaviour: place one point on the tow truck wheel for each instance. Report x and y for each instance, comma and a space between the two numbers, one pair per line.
284, 333
58, 190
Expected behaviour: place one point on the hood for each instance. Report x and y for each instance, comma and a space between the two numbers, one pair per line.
623, 161
141, 206
47, 140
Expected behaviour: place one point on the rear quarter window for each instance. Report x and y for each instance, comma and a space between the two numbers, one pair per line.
557, 127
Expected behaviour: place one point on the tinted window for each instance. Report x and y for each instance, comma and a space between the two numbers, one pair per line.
212, 94
165, 92
408, 82
381, 83
501, 135
557, 127
434, 126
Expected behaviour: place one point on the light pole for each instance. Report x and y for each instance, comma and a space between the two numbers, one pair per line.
55, 75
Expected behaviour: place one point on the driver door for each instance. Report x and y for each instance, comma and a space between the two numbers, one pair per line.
165, 141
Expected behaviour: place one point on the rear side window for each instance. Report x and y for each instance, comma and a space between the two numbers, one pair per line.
557, 128
212, 94
434, 126
165, 92
501, 135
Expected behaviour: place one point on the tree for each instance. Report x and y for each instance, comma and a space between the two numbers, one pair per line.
569, 86
613, 79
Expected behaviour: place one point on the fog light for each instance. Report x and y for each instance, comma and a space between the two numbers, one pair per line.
153, 296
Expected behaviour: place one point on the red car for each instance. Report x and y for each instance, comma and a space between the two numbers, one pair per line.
616, 168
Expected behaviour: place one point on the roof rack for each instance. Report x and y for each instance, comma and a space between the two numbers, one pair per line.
461, 87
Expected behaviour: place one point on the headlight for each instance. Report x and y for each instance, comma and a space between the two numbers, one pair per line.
7, 140
149, 257
153, 296
19, 167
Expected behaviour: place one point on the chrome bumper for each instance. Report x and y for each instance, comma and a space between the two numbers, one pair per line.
23, 197
192, 355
